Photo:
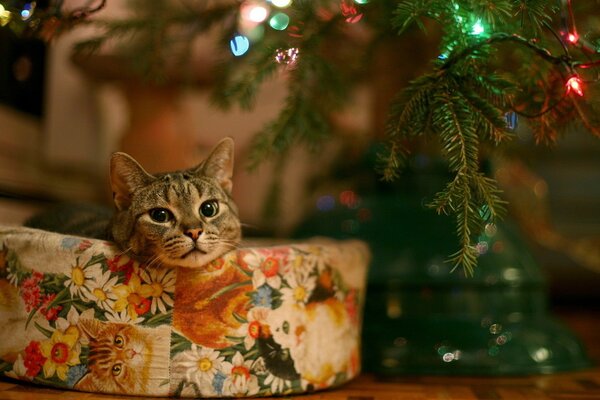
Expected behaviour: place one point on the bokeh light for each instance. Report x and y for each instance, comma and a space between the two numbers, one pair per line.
279, 21
326, 203
574, 84
287, 57
478, 28
5, 16
281, 3
239, 45
27, 10
349, 198
254, 12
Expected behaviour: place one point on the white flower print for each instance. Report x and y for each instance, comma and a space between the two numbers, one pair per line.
278, 385
301, 286
73, 318
162, 281
240, 381
19, 370
80, 279
250, 331
267, 266
122, 317
199, 364
101, 288
12, 276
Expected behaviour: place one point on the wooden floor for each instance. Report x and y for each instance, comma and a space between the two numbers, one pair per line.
583, 385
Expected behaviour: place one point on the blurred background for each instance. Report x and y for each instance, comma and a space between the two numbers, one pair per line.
61, 116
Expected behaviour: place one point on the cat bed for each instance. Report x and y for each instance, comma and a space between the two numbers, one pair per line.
261, 320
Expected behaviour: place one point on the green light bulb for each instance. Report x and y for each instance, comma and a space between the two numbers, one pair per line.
478, 28
279, 21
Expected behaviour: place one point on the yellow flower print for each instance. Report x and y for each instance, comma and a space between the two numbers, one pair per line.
80, 278
133, 297
61, 352
162, 281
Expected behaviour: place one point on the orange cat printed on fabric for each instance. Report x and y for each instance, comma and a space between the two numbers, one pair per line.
124, 358
203, 311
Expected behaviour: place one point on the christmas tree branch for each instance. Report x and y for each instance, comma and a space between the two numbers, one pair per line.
505, 37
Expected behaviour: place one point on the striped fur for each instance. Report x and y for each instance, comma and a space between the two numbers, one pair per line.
189, 238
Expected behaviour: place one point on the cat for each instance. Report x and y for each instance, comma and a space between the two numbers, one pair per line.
124, 358
176, 219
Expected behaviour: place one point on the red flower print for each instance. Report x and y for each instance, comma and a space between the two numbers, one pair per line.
84, 245
142, 305
34, 359
52, 313
115, 264
30, 291
270, 267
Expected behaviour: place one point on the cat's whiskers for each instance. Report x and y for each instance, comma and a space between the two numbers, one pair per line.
124, 252
154, 262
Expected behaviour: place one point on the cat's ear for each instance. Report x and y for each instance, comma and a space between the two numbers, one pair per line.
126, 176
90, 328
219, 164
87, 384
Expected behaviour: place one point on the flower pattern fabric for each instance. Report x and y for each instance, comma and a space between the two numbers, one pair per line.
286, 319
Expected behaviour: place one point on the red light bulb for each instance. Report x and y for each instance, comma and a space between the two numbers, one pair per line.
574, 84
573, 37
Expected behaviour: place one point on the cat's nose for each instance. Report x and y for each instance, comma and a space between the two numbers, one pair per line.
194, 233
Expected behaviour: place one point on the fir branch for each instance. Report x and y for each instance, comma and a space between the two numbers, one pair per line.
494, 12
300, 122
410, 111
534, 13
242, 89
454, 123
392, 161
504, 37
489, 192
488, 117
410, 12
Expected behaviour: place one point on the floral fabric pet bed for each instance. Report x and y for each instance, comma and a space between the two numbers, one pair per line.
76, 313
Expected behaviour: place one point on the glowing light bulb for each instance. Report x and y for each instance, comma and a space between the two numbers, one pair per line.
279, 21
239, 45
27, 10
574, 84
361, 1
5, 16
350, 12
573, 37
254, 12
478, 28
287, 57
281, 3
258, 14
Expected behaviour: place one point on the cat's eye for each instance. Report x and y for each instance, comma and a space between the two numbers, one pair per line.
160, 215
209, 208
116, 369
119, 341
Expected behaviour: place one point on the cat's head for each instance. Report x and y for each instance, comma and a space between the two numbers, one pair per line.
183, 218
119, 358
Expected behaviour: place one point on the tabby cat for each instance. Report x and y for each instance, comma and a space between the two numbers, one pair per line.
124, 358
183, 218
